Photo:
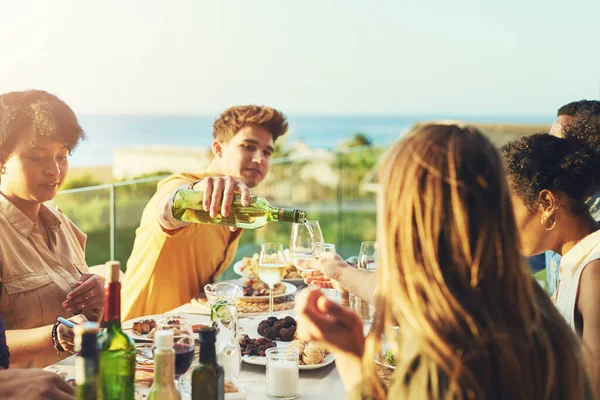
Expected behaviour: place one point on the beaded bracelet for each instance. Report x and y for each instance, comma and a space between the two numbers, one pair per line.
55, 342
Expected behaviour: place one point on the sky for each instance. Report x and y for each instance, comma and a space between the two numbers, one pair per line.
309, 57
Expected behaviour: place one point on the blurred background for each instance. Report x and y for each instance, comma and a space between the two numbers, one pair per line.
148, 78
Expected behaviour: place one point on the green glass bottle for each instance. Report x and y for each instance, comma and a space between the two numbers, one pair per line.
208, 381
163, 387
116, 350
86, 361
187, 206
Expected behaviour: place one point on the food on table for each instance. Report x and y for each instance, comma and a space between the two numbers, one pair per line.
389, 357
273, 328
255, 347
256, 287
144, 355
143, 377
249, 267
248, 306
152, 332
320, 347
144, 326
197, 327
310, 352
312, 355
230, 387
298, 344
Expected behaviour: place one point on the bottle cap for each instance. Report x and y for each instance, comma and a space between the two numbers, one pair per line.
163, 339
85, 338
207, 334
113, 270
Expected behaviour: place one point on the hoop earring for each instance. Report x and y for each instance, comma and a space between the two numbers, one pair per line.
544, 223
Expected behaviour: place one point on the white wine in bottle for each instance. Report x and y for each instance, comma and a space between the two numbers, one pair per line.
187, 206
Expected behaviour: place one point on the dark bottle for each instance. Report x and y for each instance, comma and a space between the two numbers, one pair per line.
86, 361
208, 379
116, 350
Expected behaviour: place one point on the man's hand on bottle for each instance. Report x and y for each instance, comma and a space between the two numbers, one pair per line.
220, 191
34, 384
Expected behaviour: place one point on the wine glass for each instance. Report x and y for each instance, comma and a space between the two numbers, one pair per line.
367, 258
271, 267
183, 342
328, 251
306, 244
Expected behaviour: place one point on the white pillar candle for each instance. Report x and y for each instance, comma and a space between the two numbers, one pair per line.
282, 378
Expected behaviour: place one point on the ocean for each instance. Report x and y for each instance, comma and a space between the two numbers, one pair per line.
106, 133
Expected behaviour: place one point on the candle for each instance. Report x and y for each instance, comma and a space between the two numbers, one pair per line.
282, 373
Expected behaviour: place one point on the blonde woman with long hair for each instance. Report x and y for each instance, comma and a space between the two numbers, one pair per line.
473, 323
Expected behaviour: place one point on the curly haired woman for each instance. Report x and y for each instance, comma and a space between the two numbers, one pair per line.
43, 273
551, 178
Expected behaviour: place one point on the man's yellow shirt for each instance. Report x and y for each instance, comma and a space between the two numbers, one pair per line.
168, 268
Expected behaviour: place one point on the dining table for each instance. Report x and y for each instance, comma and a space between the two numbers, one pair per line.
322, 383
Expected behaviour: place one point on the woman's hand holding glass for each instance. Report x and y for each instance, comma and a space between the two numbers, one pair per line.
325, 273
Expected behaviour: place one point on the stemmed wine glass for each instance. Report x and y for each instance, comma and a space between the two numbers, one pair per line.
306, 244
183, 342
271, 267
367, 258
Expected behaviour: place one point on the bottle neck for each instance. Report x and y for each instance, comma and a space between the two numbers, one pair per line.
207, 352
288, 215
164, 367
112, 301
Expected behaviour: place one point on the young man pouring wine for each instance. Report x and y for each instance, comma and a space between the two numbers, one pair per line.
172, 260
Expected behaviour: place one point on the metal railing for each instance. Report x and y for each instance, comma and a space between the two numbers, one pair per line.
329, 186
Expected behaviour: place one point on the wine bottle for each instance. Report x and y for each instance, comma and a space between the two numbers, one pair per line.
86, 361
187, 206
163, 387
116, 350
207, 378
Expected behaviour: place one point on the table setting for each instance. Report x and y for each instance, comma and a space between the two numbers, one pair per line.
255, 325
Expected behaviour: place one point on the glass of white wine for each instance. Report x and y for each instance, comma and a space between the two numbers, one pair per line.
271, 267
306, 244
367, 260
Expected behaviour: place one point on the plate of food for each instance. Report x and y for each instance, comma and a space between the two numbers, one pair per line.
247, 267
143, 328
260, 334
253, 289
248, 308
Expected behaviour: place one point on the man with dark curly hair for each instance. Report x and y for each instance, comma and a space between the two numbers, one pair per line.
568, 113
172, 260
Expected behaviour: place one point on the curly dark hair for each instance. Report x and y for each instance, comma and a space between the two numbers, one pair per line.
44, 113
235, 118
569, 166
575, 107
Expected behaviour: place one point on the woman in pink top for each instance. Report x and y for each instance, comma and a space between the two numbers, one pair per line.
43, 274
